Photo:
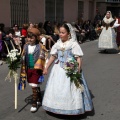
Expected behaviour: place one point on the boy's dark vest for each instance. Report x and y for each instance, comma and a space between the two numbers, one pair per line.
39, 56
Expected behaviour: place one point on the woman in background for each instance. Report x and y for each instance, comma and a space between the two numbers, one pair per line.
107, 38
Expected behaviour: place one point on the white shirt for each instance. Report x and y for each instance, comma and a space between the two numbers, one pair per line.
43, 40
31, 49
116, 23
76, 49
18, 33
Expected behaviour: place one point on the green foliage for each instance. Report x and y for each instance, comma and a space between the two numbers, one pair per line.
76, 78
13, 65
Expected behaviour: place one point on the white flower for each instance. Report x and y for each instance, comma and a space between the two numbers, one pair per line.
15, 58
69, 59
18, 53
11, 51
14, 50
14, 54
8, 55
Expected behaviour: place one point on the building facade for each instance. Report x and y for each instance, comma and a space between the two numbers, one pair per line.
24, 11
105, 5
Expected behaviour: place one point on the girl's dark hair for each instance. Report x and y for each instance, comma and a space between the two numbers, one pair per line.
66, 27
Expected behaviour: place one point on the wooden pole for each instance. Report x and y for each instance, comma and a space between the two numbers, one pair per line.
15, 91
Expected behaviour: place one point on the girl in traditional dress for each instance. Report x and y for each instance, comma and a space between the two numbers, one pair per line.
107, 39
33, 65
61, 95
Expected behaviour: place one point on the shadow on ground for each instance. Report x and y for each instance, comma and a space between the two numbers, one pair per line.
28, 101
110, 51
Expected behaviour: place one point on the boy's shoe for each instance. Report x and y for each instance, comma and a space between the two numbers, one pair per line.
39, 103
33, 109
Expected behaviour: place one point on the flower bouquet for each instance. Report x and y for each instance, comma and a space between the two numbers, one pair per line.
13, 61
71, 68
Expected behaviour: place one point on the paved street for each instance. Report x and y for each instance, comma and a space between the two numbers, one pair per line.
102, 73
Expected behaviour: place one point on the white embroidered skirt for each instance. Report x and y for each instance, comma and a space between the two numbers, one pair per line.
62, 97
107, 39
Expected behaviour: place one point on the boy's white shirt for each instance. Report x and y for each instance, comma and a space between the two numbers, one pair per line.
31, 49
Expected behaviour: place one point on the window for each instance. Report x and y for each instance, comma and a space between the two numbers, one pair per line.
91, 8
59, 10
80, 9
50, 10
19, 12
54, 10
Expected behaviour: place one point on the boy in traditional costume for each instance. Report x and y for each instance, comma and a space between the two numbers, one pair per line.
32, 66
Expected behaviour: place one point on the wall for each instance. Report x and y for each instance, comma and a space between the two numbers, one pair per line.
70, 10
36, 11
101, 8
5, 12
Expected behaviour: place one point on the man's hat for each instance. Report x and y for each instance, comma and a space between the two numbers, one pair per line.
34, 31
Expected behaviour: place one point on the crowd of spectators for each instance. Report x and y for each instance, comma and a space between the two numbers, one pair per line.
49, 33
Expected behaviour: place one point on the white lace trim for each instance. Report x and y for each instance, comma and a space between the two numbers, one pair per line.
34, 85
108, 21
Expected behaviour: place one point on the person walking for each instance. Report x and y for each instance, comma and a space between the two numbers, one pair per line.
117, 24
62, 96
107, 38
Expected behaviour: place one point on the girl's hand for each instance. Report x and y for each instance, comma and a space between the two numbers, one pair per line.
45, 71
